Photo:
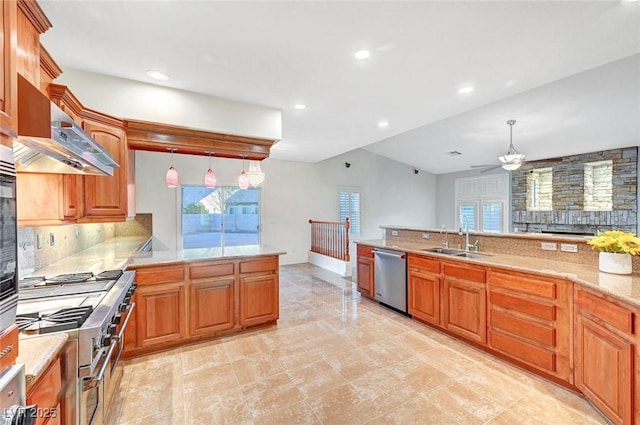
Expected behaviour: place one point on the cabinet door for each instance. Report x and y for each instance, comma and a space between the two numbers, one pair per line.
424, 296
40, 202
603, 371
211, 306
73, 196
258, 299
8, 48
365, 277
465, 306
46, 393
106, 196
161, 314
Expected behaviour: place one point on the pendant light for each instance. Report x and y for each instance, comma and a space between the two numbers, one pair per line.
172, 178
255, 174
210, 176
243, 180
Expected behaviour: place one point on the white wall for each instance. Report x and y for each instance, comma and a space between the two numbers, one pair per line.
293, 193
445, 195
148, 102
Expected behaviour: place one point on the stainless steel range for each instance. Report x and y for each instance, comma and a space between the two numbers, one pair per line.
94, 311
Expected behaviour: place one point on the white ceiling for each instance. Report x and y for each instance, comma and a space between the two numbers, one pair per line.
281, 53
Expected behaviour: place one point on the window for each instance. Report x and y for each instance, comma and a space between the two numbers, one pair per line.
483, 200
349, 202
222, 216
540, 189
598, 186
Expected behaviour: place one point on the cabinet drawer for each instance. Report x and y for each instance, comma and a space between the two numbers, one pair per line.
46, 392
526, 284
468, 273
159, 275
529, 353
365, 251
8, 346
266, 265
211, 270
533, 331
610, 313
522, 305
424, 264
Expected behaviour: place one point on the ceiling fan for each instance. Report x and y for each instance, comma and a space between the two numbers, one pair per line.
510, 161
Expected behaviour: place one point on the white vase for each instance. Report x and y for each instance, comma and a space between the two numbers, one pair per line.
613, 262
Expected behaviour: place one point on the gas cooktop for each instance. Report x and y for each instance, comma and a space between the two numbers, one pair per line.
66, 284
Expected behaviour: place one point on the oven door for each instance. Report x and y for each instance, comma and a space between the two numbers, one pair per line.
8, 242
115, 369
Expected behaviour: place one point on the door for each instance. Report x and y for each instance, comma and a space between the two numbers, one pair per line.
211, 306
8, 42
466, 309
365, 276
424, 296
258, 299
160, 316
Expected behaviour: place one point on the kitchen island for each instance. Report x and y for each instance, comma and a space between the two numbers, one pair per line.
564, 321
201, 293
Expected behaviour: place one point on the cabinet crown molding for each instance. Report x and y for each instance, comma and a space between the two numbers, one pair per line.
36, 16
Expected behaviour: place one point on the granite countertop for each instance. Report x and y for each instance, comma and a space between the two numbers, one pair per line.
153, 258
623, 287
37, 353
520, 235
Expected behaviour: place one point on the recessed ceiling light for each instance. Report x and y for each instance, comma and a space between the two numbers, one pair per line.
157, 75
300, 106
466, 90
362, 54
383, 124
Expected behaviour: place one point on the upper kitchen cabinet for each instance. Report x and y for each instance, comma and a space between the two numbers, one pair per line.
8, 43
109, 198
31, 22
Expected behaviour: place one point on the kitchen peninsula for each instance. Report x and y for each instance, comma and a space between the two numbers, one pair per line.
563, 320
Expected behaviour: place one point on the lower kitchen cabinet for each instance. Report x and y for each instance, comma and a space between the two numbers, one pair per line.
423, 288
529, 318
465, 301
161, 309
45, 393
365, 271
604, 349
194, 300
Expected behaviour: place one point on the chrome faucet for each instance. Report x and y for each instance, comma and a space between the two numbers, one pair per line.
464, 220
446, 236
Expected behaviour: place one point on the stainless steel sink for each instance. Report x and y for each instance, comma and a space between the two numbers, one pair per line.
456, 253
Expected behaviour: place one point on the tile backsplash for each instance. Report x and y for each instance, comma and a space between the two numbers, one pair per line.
40, 246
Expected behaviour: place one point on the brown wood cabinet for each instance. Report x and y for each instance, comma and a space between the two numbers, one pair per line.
365, 271
191, 301
424, 288
8, 48
46, 395
529, 320
8, 346
604, 350
464, 301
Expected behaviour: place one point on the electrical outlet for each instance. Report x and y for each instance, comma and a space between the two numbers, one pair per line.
39, 241
394, 233
52, 239
426, 236
549, 246
568, 247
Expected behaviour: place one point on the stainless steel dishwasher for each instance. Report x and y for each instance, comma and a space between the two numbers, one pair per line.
390, 274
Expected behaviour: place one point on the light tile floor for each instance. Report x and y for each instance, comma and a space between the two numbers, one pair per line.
337, 358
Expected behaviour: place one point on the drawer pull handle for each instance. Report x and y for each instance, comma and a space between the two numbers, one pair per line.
6, 351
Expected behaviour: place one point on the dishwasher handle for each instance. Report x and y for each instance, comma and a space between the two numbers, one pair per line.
388, 254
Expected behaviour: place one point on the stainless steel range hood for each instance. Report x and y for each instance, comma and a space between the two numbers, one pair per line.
49, 141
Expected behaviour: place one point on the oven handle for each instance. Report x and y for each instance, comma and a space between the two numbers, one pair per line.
93, 382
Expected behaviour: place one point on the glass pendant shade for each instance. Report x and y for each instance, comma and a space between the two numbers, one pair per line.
255, 174
512, 166
172, 177
243, 180
210, 179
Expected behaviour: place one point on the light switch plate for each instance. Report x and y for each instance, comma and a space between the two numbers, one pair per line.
568, 247
39, 241
549, 246
426, 235
394, 233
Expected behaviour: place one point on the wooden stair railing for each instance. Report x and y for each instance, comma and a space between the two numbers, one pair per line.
330, 238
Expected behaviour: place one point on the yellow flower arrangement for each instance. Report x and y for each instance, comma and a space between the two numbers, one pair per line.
616, 241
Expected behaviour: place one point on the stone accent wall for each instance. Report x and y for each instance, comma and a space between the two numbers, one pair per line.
568, 214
